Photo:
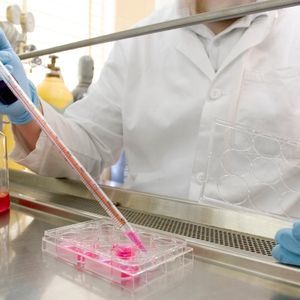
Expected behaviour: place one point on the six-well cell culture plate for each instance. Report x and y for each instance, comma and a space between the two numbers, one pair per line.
97, 247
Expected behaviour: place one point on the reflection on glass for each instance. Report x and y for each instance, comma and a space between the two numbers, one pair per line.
4, 234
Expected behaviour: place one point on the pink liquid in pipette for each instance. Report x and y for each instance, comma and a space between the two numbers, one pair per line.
132, 235
4, 202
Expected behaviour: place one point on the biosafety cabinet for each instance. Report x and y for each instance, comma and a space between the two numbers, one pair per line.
219, 248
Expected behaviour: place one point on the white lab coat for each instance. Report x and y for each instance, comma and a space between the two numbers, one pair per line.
158, 97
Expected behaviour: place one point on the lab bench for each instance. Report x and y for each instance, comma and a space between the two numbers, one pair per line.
232, 249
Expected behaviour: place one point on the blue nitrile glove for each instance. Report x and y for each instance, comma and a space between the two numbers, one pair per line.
15, 110
288, 249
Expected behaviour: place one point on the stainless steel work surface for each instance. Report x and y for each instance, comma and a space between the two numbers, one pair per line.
26, 274
232, 249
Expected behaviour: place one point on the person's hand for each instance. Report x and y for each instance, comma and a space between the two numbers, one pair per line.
15, 110
288, 249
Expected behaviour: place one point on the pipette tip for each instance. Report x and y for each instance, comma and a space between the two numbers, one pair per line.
133, 236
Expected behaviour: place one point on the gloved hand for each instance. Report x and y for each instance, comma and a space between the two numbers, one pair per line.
16, 112
288, 249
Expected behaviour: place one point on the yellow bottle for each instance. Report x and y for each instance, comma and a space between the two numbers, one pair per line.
53, 89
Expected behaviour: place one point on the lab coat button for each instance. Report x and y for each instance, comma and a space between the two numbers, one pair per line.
215, 94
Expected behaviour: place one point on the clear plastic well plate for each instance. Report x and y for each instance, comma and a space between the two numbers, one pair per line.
253, 170
97, 247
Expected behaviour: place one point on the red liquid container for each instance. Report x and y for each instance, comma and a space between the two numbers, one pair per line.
4, 202
4, 194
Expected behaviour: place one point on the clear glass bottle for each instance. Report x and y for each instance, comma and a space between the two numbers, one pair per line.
4, 182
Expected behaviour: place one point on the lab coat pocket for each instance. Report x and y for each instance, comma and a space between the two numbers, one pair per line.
270, 102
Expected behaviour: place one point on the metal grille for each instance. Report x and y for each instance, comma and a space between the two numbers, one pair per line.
215, 235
